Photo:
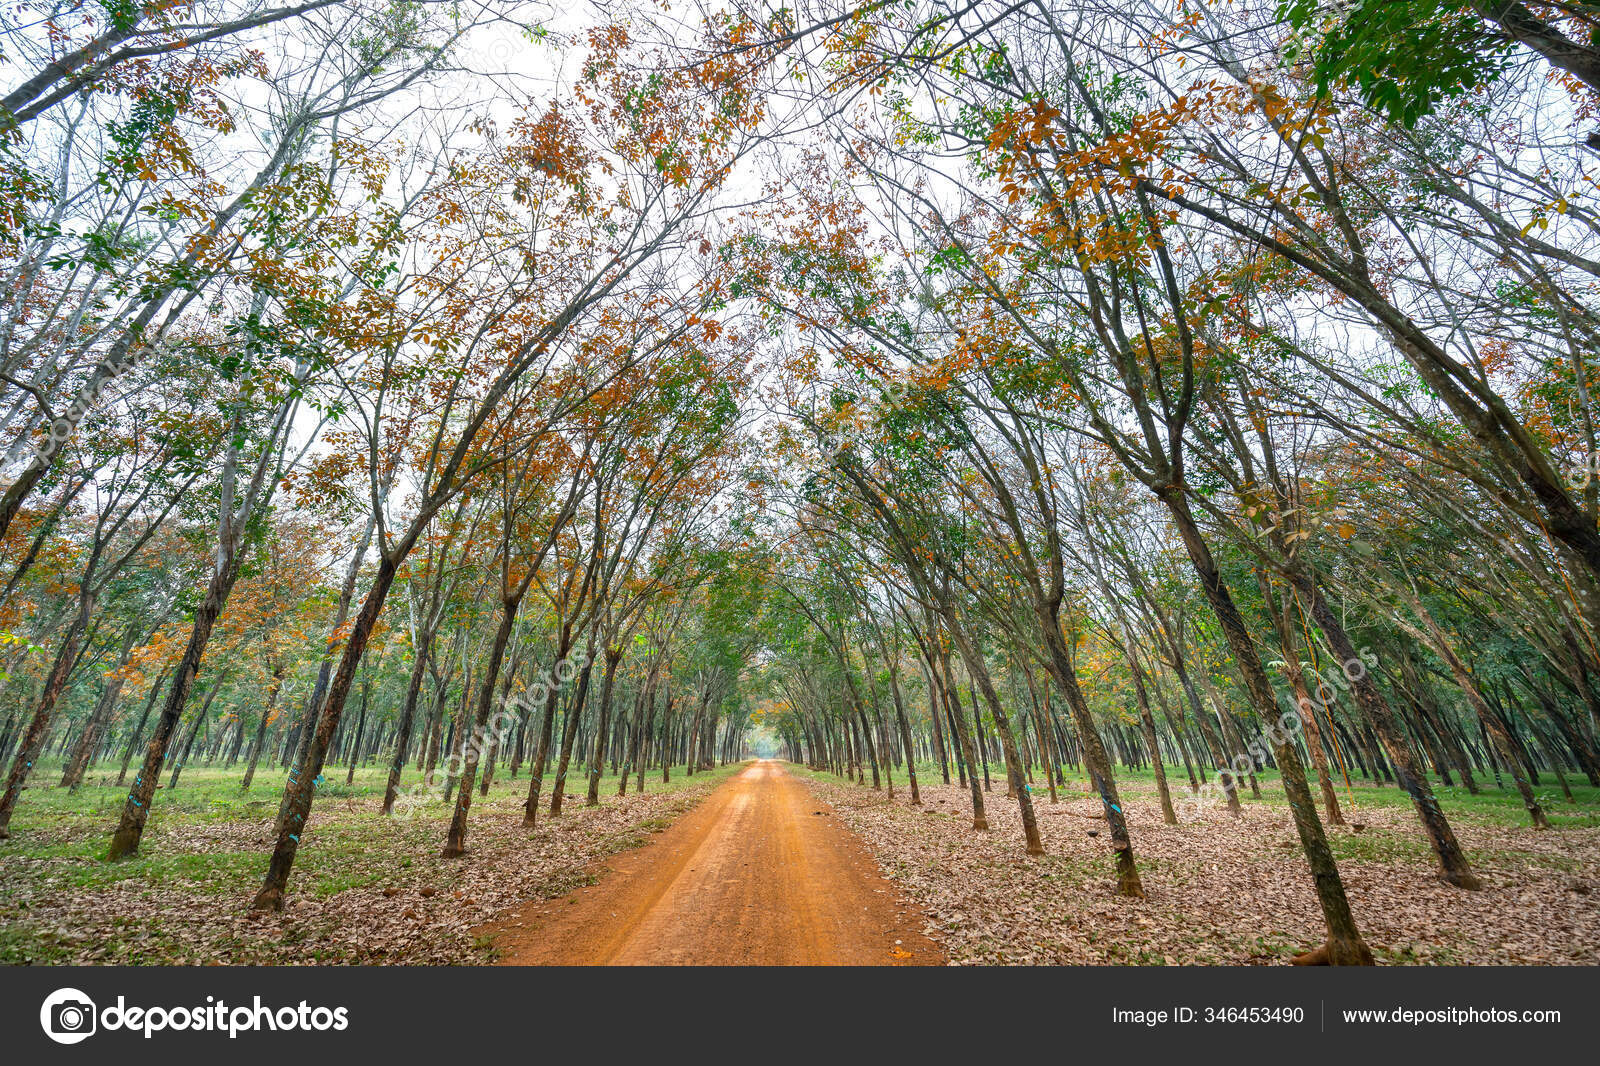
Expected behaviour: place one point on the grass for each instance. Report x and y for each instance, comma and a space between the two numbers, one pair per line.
1379, 846
211, 796
1492, 806
1238, 887
208, 840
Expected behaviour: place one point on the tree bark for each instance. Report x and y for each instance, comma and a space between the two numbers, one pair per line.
601, 735
456, 840
33, 739
261, 729
569, 734
125, 841
1344, 945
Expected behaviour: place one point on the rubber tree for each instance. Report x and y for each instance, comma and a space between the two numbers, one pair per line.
241, 500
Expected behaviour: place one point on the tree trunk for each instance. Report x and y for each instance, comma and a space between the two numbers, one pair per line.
456, 840
194, 731
354, 755
1148, 723
138, 731
1344, 945
104, 708
1486, 716
261, 730
1453, 866
277, 878
296, 754
979, 672
530, 809
33, 740
598, 759
125, 841
969, 756
569, 734
1095, 760
905, 734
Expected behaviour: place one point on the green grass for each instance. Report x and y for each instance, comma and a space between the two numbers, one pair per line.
1379, 846
210, 872
211, 796
1491, 806
208, 840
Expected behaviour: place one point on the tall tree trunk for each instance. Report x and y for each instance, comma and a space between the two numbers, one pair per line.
347, 591
631, 753
355, 743
694, 731
1095, 760
664, 747
125, 841
979, 672
1344, 945
905, 734
456, 840
1453, 866
137, 735
598, 758
1279, 608
530, 809
1491, 722
194, 731
936, 705
261, 729
1431, 714
236, 749
55, 684
569, 734
277, 877
1219, 755
1148, 723
969, 755
83, 753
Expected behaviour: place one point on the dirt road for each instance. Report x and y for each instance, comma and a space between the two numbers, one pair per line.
760, 873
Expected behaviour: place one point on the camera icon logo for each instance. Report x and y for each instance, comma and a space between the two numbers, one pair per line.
67, 1016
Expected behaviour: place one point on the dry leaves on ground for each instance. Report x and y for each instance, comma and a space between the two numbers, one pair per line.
366, 889
1220, 891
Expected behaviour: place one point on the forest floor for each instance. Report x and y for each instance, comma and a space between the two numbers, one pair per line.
365, 889
1229, 892
760, 873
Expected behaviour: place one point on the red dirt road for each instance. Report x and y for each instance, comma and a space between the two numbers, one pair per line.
754, 875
